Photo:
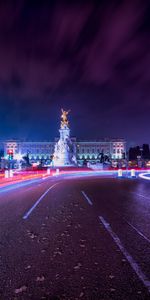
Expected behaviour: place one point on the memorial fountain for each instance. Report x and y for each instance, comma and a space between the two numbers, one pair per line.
65, 149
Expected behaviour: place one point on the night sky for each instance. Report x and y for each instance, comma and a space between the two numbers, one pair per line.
92, 57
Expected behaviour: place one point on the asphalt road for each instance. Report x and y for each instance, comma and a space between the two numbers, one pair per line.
86, 238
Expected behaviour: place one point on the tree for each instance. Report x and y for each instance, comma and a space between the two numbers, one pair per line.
134, 152
145, 151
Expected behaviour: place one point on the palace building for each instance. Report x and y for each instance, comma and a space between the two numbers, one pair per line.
90, 150
65, 149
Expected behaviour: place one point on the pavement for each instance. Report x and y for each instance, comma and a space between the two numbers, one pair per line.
75, 238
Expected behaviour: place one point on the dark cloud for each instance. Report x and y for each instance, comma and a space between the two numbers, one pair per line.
91, 56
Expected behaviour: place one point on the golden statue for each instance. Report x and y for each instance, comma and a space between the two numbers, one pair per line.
64, 118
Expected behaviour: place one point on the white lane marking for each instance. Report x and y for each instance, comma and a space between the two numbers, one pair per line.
87, 198
138, 231
140, 195
37, 202
130, 259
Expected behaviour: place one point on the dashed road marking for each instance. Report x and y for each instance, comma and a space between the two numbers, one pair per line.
138, 231
130, 259
87, 198
133, 227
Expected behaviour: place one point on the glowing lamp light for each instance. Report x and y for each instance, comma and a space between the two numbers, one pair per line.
18, 156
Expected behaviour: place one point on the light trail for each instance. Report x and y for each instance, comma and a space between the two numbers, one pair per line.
17, 185
143, 176
20, 177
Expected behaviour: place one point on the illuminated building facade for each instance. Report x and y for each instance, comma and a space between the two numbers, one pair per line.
90, 150
35, 150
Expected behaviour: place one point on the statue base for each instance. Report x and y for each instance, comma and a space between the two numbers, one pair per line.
64, 153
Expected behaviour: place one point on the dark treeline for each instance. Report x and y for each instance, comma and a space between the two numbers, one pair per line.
139, 152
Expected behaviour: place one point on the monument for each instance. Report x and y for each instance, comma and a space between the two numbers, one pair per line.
65, 150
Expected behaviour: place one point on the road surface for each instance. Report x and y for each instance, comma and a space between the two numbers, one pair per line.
75, 238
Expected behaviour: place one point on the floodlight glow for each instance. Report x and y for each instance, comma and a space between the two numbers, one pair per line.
18, 156
35, 164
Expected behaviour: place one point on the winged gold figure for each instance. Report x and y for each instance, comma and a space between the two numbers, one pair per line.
64, 118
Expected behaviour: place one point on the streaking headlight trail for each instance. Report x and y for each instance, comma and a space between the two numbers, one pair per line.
145, 176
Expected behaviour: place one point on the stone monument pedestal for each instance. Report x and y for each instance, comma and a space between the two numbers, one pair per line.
65, 151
